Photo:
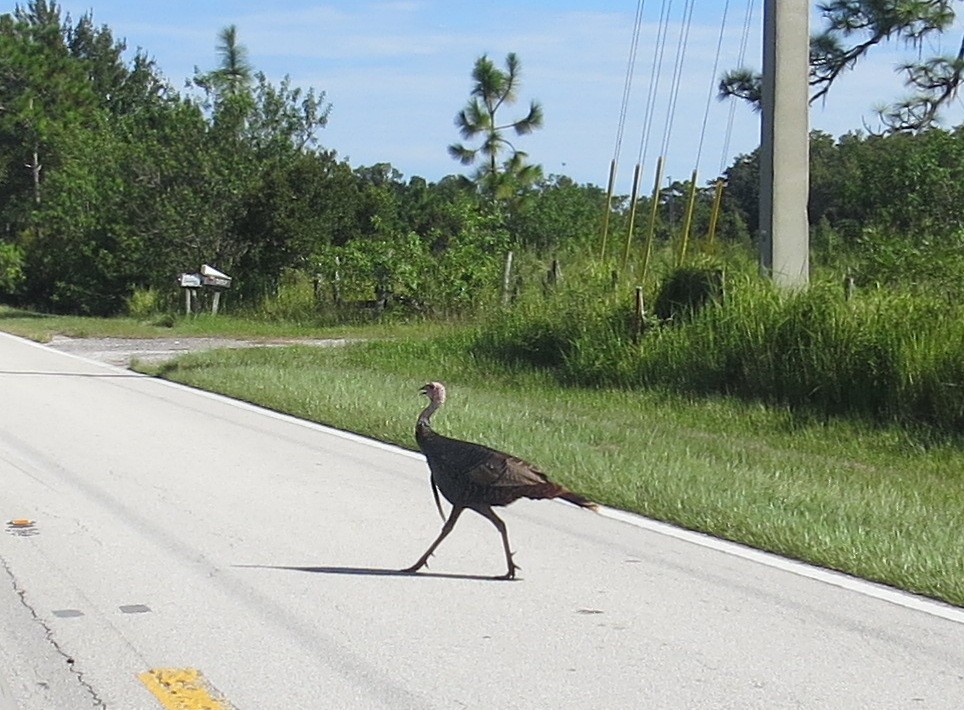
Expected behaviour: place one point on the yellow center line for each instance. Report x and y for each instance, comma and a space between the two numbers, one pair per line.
183, 689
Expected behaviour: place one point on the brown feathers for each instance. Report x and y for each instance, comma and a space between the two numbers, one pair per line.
474, 476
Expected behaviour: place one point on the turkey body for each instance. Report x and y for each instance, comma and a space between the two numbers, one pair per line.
470, 474
476, 477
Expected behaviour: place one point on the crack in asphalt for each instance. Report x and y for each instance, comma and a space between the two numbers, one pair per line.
49, 636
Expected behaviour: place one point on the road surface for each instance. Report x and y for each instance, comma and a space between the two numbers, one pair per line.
167, 548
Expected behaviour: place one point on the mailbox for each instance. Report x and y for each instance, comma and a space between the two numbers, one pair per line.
214, 278
209, 278
190, 280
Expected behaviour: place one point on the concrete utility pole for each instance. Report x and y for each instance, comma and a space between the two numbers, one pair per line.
785, 142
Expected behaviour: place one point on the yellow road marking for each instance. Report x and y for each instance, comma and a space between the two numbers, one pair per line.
183, 689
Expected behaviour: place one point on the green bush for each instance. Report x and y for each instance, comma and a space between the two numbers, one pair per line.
11, 268
144, 303
293, 302
543, 330
686, 290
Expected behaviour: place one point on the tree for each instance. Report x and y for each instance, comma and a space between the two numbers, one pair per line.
852, 28
493, 89
235, 70
560, 214
905, 184
41, 89
250, 157
227, 89
58, 160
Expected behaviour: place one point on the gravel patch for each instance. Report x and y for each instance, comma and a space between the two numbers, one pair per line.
121, 351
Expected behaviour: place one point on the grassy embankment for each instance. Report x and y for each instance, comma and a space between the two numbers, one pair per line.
871, 500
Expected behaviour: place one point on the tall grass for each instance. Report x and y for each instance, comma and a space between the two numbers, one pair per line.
882, 355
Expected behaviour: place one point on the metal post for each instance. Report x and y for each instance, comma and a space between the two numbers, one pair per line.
784, 146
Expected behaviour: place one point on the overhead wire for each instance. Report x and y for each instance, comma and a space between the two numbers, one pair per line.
741, 59
682, 42
659, 47
712, 89
656, 73
630, 72
623, 110
691, 199
681, 46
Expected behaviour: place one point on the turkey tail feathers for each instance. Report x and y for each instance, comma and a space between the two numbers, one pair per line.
577, 499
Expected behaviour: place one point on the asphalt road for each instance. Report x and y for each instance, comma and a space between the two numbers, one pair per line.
174, 542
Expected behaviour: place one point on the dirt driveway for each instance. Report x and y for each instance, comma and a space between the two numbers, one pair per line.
120, 351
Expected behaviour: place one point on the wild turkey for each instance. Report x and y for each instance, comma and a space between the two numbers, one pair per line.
476, 477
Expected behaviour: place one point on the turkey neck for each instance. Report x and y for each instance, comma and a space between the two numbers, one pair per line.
424, 419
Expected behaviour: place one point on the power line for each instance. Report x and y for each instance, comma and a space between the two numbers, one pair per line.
658, 49
712, 90
681, 46
741, 59
628, 83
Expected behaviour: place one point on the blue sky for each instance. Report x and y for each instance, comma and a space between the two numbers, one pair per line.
397, 71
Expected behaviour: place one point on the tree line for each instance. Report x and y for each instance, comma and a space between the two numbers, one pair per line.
113, 182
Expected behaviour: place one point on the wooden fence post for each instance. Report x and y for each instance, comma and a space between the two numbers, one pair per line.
849, 287
336, 283
553, 276
507, 278
639, 314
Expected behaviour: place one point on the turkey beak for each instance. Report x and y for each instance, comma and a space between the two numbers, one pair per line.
424, 390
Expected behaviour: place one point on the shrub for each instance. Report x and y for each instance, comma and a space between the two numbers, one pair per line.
11, 267
294, 300
686, 290
143, 303
544, 330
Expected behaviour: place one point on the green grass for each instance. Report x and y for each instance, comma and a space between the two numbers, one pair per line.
42, 327
872, 501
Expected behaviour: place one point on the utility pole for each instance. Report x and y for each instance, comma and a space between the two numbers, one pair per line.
785, 143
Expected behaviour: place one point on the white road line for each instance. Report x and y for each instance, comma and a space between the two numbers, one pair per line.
770, 559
